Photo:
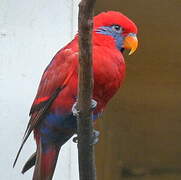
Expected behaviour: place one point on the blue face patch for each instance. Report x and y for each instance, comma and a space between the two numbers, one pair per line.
115, 31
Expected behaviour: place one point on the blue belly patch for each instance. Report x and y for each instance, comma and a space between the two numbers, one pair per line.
56, 128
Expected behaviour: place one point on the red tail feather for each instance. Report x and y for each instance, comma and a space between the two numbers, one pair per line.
45, 162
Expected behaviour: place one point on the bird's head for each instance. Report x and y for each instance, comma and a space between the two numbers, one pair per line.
119, 28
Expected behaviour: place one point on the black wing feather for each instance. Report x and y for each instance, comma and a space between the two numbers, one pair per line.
39, 112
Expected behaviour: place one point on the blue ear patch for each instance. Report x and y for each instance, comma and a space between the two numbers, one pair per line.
109, 31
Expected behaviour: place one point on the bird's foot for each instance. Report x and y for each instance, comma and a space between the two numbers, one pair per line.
94, 140
75, 110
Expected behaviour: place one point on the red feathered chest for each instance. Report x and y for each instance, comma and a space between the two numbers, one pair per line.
109, 72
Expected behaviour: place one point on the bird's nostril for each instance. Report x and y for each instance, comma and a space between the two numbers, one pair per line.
122, 50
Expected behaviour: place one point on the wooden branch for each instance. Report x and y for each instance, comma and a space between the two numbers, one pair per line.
86, 155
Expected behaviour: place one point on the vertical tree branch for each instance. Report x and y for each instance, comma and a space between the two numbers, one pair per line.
85, 124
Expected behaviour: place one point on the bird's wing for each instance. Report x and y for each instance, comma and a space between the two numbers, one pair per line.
54, 79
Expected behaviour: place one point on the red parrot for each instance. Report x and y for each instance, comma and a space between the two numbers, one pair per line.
51, 116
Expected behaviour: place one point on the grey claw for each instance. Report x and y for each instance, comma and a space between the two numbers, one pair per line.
93, 104
75, 110
75, 139
95, 137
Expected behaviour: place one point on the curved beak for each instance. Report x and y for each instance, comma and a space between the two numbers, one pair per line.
131, 42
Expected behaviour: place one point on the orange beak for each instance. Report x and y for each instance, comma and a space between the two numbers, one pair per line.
131, 42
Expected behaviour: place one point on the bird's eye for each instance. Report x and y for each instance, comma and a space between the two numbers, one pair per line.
117, 28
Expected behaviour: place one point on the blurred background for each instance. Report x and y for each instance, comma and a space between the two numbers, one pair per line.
141, 129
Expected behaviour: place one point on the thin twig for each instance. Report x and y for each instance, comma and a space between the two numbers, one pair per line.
87, 169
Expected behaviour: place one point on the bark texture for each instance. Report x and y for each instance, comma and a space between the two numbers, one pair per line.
86, 155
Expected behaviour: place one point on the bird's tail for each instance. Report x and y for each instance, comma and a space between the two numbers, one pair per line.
45, 162
29, 163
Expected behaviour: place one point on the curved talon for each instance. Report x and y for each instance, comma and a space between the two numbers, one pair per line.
93, 104
75, 110
96, 133
75, 139
95, 137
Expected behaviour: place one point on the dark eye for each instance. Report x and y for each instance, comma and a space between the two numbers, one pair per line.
117, 28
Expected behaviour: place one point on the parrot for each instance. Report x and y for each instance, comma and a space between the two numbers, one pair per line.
52, 115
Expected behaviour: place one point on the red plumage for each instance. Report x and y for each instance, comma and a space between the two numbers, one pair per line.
113, 17
51, 113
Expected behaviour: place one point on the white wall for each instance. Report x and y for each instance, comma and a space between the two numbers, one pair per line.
31, 32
